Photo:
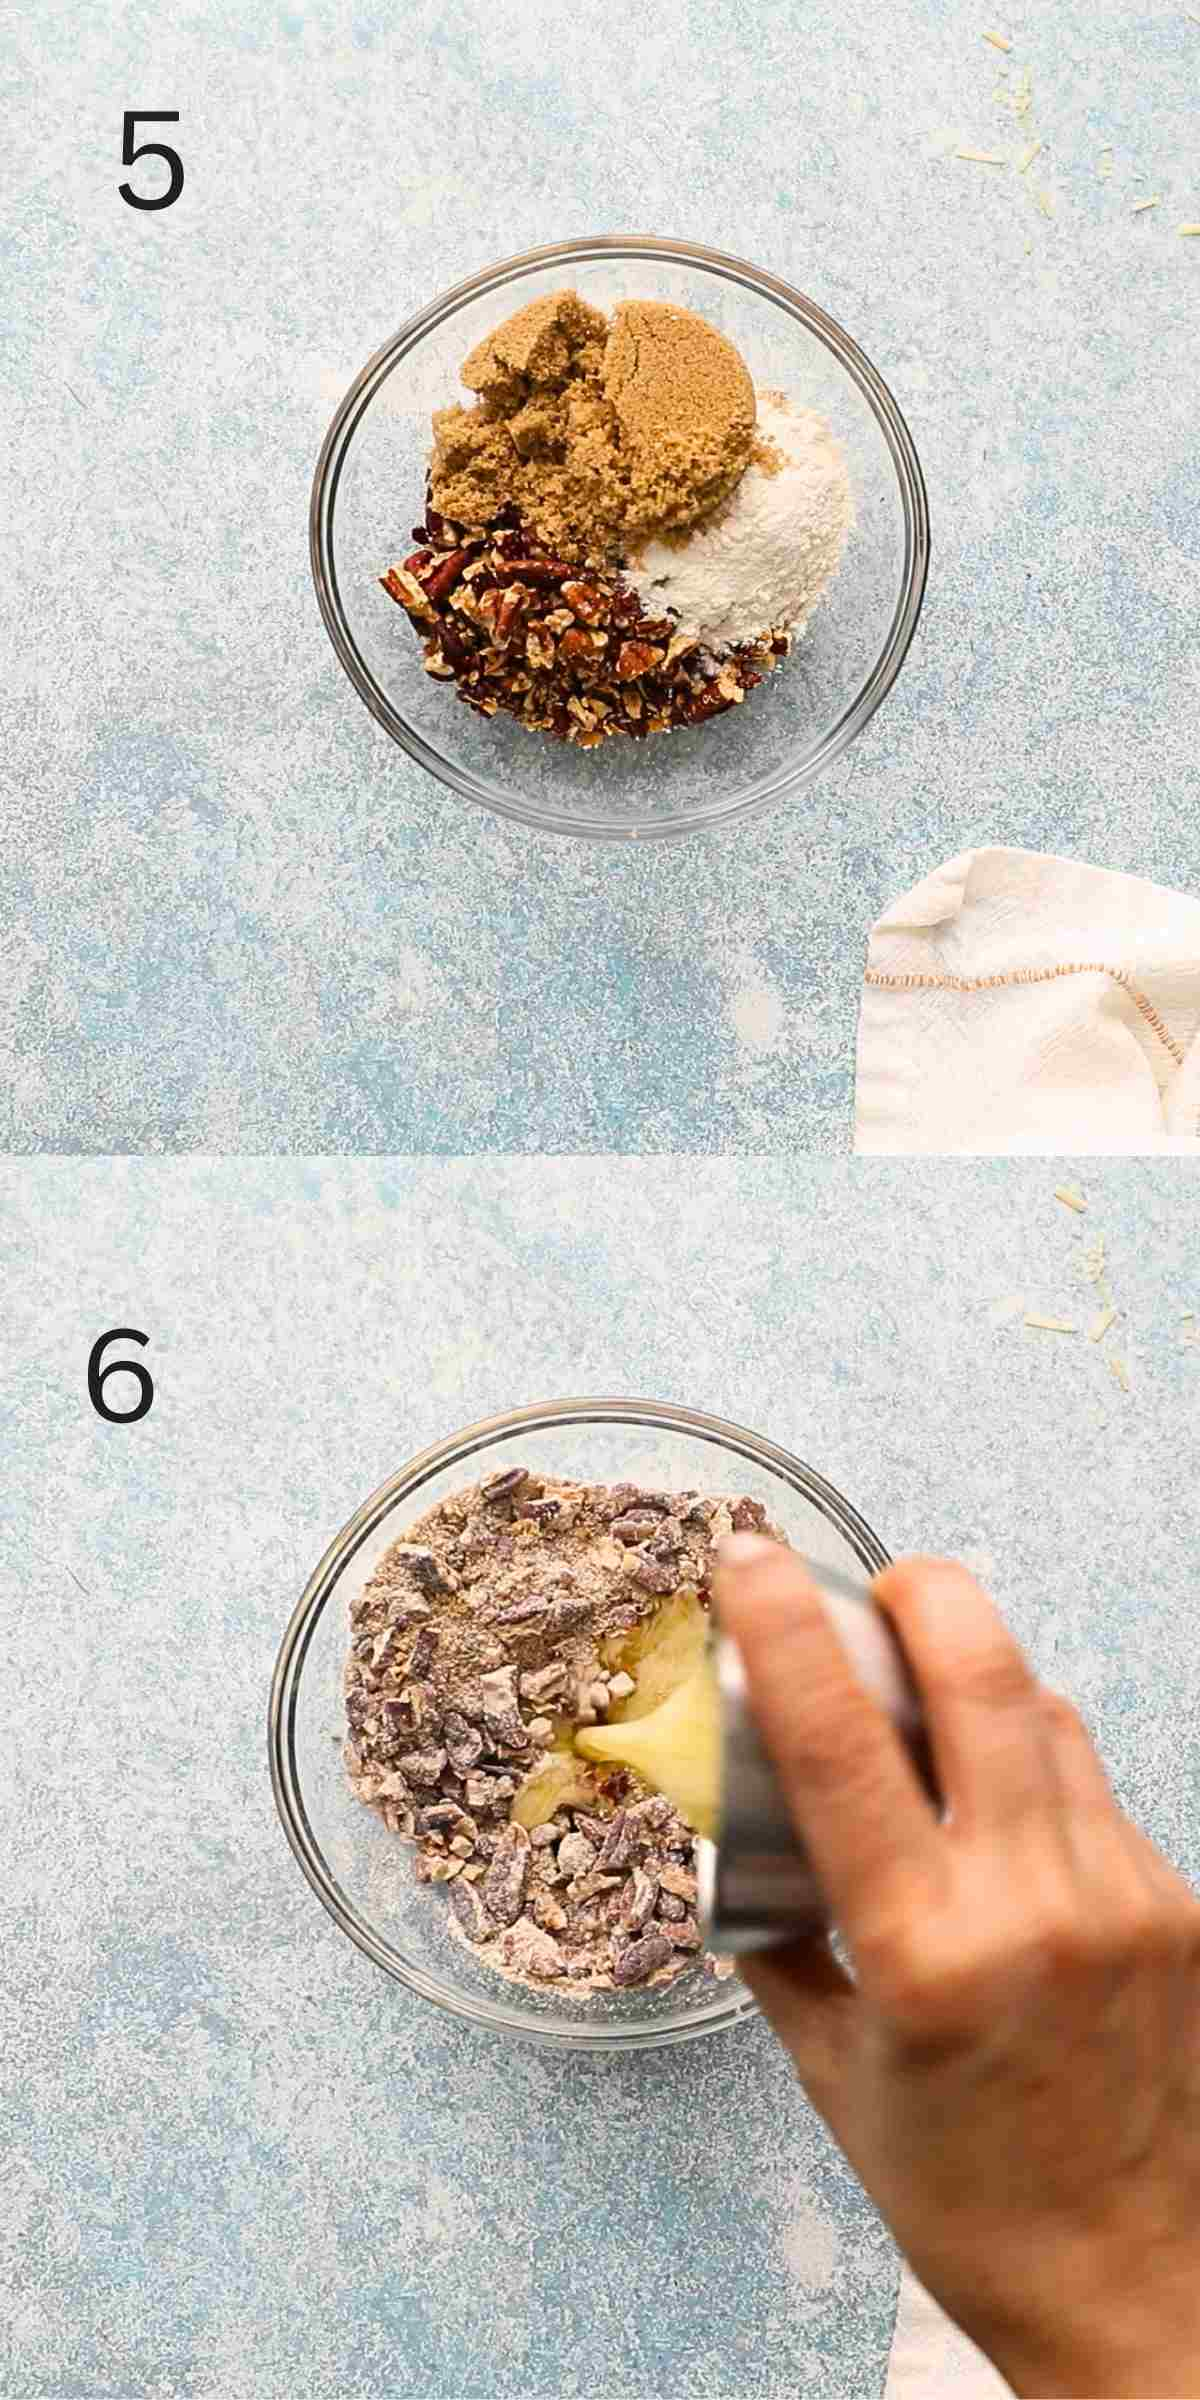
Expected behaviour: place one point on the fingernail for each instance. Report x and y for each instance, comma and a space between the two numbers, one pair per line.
743, 1549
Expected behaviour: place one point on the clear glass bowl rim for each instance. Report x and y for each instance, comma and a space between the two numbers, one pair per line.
914, 502
541, 1416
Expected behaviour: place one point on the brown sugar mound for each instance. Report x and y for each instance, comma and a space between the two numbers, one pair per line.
600, 434
685, 405
545, 343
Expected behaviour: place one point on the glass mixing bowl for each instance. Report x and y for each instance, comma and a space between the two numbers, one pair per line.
369, 492
363, 1873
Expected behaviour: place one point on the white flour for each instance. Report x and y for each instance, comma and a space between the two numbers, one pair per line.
762, 560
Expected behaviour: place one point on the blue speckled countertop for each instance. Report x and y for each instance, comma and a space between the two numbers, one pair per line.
239, 2163
235, 917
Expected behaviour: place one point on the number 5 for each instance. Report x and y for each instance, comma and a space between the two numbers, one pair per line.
150, 116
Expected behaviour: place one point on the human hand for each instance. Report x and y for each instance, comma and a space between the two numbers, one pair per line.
1014, 2069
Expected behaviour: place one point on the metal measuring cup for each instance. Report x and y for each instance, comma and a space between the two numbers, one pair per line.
757, 1883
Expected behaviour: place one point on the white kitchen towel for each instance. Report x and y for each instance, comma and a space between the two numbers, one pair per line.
930, 2359
1014, 1002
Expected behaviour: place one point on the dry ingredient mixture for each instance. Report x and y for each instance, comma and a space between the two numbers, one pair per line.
620, 536
484, 1638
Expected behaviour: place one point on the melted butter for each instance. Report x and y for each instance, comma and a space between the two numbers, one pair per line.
675, 1748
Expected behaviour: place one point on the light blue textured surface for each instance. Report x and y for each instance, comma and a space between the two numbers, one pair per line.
241, 2165
234, 915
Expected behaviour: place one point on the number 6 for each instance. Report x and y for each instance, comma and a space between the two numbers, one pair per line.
97, 1377
129, 152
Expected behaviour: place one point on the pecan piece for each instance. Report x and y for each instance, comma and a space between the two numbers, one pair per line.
637, 1525
635, 1962
659, 1575
567, 1614
684, 1934
424, 1568
421, 1656
700, 705
590, 605
405, 590
471, 1913
617, 1851
578, 649
445, 1816
678, 1882
499, 1690
637, 658
531, 1951
503, 1485
439, 582
576, 1855
749, 1516
513, 604
521, 1612
542, 1683
504, 1884
464, 1742
423, 1766
638, 1901
543, 571
457, 653
624, 1496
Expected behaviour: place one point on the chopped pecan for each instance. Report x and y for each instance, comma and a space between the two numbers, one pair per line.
405, 589
637, 658
513, 604
568, 1613
617, 1851
423, 1766
614, 671
423, 1652
678, 1881
504, 1884
637, 1525
576, 1855
542, 571
589, 603
638, 1901
471, 1913
749, 1516
464, 1742
656, 1574
503, 1485
636, 1961
424, 1568
543, 1682
439, 582
522, 1611
578, 650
